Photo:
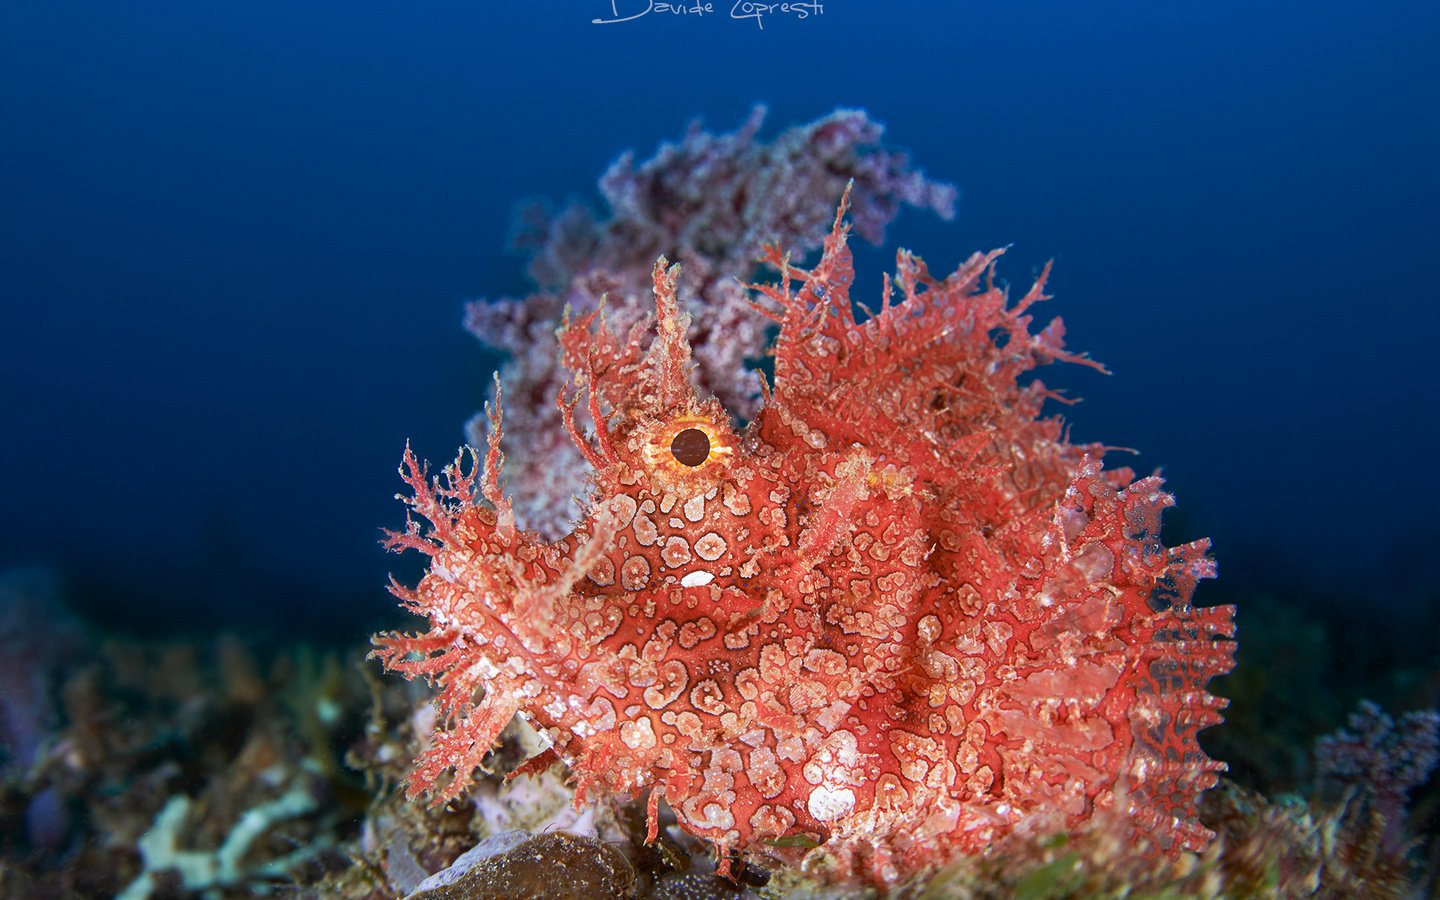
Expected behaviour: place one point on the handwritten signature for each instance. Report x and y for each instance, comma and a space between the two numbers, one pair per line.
630, 10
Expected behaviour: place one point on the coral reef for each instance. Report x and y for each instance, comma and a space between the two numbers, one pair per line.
29, 711
709, 202
1288, 847
231, 738
188, 769
895, 619
1383, 759
222, 866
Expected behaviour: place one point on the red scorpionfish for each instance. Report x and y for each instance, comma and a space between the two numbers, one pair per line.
897, 615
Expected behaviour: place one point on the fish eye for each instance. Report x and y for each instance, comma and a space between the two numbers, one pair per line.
691, 447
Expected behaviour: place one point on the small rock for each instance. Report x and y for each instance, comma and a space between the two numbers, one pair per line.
520, 866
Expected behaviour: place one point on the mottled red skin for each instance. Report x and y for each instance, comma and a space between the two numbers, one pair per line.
897, 614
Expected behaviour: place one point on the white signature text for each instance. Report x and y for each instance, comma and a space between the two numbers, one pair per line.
740, 10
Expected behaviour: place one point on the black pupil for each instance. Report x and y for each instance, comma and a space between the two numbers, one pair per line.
691, 447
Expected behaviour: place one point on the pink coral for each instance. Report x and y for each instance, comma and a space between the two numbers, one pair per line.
897, 615
710, 203
1385, 759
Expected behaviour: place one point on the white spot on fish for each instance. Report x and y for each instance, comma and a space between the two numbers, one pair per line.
698, 578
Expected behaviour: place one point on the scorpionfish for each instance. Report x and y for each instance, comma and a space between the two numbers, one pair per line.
894, 618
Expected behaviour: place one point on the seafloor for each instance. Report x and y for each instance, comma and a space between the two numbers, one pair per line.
216, 766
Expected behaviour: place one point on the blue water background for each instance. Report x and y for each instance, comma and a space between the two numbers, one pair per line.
235, 239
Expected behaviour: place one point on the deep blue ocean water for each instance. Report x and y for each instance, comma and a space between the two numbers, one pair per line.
235, 239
